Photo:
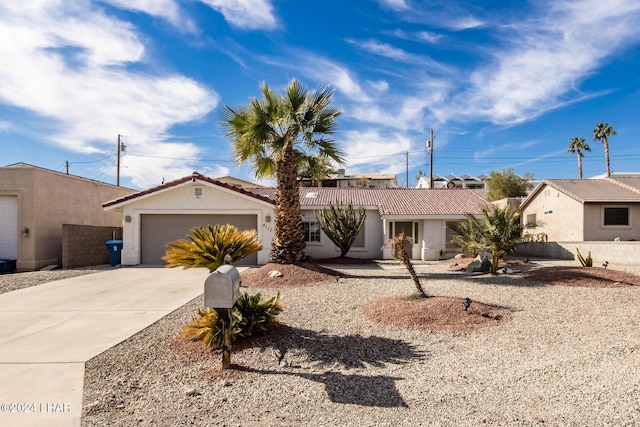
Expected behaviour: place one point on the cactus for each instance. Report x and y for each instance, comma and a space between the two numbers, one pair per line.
586, 262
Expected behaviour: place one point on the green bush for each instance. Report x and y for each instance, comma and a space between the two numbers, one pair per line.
250, 315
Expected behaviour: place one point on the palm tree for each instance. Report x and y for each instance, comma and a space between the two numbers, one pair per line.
601, 133
577, 145
276, 134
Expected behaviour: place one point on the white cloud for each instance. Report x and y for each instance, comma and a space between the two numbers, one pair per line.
5, 125
394, 4
165, 9
420, 36
487, 153
465, 23
400, 55
380, 86
250, 14
370, 150
326, 72
68, 65
545, 58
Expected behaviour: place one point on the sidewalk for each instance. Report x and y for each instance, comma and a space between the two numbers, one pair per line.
48, 332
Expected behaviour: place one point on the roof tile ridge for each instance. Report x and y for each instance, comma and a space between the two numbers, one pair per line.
564, 190
623, 185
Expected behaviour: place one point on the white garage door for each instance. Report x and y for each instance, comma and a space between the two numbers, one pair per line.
8, 227
158, 230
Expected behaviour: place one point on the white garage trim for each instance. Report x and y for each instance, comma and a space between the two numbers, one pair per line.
159, 228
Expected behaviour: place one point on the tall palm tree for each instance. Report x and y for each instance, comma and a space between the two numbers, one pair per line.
601, 133
274, 133
578, 145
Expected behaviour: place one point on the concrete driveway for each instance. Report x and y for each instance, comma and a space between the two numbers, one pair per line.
48, 332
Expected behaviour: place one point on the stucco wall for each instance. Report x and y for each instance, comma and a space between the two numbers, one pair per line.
595, 229
433, 239
557, 215
48, 199
373, 239
614, 252
181, 200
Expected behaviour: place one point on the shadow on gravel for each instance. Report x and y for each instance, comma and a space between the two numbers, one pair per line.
348, 352
514, 279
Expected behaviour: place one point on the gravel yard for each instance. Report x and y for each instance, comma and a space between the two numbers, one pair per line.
567, 355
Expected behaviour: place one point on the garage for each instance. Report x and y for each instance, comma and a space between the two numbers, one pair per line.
8, 227
156, 230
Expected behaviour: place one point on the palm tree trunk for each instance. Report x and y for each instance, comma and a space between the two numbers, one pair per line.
288, 243
606, 154
580, 164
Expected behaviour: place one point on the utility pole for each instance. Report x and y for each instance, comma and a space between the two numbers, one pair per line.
430, 142
67, 164
407, 168
121, 148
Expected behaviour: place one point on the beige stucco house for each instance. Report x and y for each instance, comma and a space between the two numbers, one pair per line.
568, 210
36, 202
165, 213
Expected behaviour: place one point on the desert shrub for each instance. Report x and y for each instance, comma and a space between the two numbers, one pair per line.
212, 246
341, 224
586, 262
250, 315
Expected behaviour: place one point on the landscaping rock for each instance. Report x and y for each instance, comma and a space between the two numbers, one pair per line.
482, 263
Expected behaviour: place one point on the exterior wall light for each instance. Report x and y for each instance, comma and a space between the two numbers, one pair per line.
25, 231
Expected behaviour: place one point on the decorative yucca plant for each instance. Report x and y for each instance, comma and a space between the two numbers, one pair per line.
212, 246
251, 315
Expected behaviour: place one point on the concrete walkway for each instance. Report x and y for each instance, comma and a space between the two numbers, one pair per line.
48, 332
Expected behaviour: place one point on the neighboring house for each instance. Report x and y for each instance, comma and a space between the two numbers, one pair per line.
477, 183
362, 180
570, 210
237, 182
36, 202
155, 217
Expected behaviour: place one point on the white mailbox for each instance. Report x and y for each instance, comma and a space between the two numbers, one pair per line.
222, 287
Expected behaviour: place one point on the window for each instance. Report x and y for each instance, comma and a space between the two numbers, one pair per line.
359, 242
410, 229
531, 221
616, 216
311, 232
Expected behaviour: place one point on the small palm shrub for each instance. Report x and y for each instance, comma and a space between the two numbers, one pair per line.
250, 315
212, 246
258, 315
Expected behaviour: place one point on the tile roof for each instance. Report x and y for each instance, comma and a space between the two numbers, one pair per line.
632, 183
388, 201
192, 177
393, 201
597, 190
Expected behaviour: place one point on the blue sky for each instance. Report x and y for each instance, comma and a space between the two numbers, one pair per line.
502, 84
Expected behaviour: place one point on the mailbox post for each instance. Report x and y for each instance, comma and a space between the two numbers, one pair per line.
221, 290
